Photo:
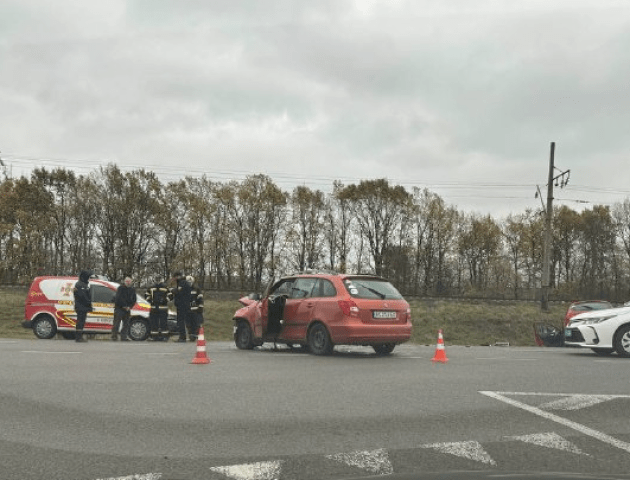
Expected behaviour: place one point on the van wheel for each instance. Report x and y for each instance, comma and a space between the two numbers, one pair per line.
384, 348
243, 337
138, 329
44, 327
319, 341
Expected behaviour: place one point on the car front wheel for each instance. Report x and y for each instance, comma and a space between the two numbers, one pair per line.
319, 341
622, 341
243, 337
44, 327
138, 329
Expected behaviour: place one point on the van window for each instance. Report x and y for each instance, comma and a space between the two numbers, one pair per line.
101, 294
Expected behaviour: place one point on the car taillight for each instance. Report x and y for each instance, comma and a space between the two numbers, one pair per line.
349, 308
408, 315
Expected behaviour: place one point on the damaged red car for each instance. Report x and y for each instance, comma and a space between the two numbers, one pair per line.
319, 311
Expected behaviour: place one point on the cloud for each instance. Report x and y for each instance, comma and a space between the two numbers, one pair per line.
428, 92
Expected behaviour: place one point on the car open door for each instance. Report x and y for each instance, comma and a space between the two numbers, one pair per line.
547, 335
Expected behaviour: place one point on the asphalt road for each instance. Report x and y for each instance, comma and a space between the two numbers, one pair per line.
142, 411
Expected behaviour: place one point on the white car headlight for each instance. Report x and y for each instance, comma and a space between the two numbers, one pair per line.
593, 320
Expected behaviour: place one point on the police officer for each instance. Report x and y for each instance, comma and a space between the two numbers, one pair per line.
158, 297
82, 302
196, 308
181, 298
124, 300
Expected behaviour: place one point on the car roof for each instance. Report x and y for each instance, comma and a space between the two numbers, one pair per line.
342, 276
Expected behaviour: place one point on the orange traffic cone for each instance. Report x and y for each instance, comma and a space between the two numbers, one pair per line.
201, 358
440, 353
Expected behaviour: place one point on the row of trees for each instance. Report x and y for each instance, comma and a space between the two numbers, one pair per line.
236, 235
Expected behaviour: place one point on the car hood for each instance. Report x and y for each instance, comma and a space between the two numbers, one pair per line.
246, 301
601, 313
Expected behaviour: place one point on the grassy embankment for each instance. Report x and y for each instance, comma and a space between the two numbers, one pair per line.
464, 322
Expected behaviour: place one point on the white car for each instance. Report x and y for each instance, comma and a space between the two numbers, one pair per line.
603, 331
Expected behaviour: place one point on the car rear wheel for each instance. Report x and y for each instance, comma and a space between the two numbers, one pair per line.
243, 337
319, 341
604, 352
138, 329
622, 341
44, 327
384, 348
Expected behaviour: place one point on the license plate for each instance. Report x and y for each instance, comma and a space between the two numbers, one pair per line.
383, 315
567, 333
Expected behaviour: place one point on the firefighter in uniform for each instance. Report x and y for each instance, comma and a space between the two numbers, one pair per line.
196, 309
158, 297
181, 298
82, 302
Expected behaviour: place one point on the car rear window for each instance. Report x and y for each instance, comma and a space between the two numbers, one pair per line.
371, 288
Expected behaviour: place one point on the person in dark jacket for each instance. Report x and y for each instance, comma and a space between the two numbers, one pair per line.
124, 300
196, 309
158, 297
181, 298
82, 302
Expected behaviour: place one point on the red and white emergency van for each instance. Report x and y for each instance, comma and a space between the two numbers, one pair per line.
49, 309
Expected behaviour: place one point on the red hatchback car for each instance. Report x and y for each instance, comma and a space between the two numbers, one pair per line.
324, 310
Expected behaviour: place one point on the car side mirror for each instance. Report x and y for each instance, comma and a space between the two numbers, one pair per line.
254, 296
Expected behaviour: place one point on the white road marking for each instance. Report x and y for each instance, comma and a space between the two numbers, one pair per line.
471, 450
562, 421
144, 476
46, 351
545, 394
375, 461
251, 471
161, 353
575, 402
505, 358
549, 440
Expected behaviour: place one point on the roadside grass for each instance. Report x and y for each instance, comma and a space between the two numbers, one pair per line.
468, 322
12, 313
464, 322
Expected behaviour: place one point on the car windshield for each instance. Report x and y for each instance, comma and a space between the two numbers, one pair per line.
371, 288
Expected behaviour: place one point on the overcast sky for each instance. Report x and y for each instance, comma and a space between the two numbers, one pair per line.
462, 97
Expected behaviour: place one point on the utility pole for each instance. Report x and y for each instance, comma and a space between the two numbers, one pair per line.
544, 304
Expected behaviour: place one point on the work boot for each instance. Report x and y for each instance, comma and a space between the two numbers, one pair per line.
80, 336
114, 338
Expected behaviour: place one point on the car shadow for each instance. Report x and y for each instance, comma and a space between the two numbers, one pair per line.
339, 352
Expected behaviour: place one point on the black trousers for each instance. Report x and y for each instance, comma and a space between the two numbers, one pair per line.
158, 320
183, 321
193, 323
121, 316
81, 316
